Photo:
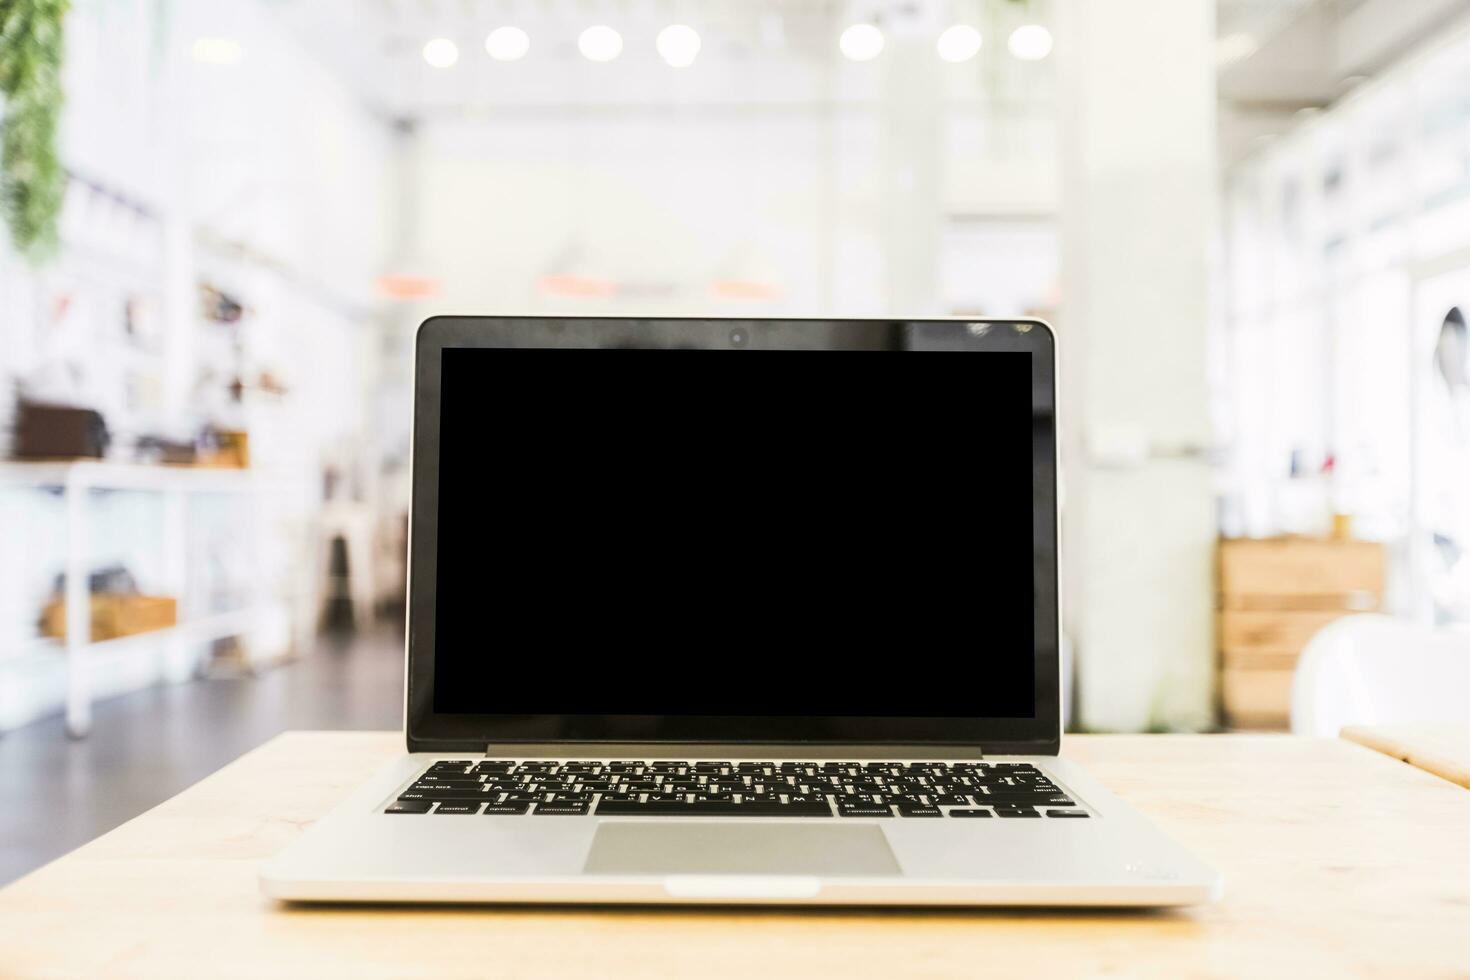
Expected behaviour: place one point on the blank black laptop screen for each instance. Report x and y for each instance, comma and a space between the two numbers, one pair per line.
763, 533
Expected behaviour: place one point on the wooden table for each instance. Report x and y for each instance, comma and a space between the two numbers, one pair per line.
1337, 861
1441, 749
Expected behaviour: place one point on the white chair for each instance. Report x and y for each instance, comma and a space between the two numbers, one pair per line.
1376, 670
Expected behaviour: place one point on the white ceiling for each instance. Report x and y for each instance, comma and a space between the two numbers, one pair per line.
1257, 19
754, 52
1282, 58
1275, 56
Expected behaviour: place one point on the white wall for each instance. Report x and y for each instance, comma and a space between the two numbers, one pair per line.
665, 204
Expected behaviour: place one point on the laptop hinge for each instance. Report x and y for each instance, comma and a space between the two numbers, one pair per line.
503, 751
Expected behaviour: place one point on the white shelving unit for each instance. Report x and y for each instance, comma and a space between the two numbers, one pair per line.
77, 481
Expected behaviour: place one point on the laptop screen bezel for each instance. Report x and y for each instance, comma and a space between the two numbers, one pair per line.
429, 730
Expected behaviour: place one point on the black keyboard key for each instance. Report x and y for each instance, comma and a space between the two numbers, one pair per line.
969, 813
447, 795
458, 808
1016, 811
868, 810
1067, 813
947, 799
564, 809
409, 806
919, 811
492, 768
632, 808
506, 809
1003, 796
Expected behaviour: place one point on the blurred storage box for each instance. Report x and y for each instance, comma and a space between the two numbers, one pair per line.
59, 432
228, 449
115, 616
1274, 595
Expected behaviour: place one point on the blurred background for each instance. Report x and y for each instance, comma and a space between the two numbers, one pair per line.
1248, 219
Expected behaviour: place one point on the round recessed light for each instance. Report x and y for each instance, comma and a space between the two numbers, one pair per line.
507, 44
959, 43
1031, 42
441, 52
600, 43
861, 42
678, 44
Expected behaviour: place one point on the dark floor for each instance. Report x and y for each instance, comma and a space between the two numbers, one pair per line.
59, 793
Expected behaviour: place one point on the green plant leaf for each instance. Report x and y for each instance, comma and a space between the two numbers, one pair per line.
32, 179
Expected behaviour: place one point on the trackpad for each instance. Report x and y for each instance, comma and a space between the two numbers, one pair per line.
726, 848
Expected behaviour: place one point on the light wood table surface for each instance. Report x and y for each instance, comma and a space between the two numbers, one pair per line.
1338, 861
1441, 749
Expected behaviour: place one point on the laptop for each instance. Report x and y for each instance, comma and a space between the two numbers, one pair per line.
735, 611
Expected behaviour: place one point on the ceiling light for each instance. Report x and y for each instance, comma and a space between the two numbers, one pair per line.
862, 42
959, 43
441, 52
600, 43
1031, 42
217, 51
507, 44
679, 45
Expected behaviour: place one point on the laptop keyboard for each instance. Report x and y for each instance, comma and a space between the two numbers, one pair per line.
965, 790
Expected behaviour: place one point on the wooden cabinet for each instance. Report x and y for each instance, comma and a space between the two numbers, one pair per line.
1274, 595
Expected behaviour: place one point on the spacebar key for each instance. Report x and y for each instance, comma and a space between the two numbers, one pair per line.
711, 808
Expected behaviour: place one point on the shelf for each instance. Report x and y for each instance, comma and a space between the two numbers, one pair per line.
105, 475
216, 626
75, 479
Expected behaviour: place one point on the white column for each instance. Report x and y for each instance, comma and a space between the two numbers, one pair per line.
1139, 192
911, 190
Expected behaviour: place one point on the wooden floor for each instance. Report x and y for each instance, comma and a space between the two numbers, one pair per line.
58, 793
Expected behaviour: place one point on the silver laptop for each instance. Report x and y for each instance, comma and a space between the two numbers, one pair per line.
735, 611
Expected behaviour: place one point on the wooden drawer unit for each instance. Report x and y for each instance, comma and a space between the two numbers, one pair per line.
1274, 595
1255, 698
1297, 574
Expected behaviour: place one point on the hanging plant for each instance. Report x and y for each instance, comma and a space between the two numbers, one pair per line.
32, 181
